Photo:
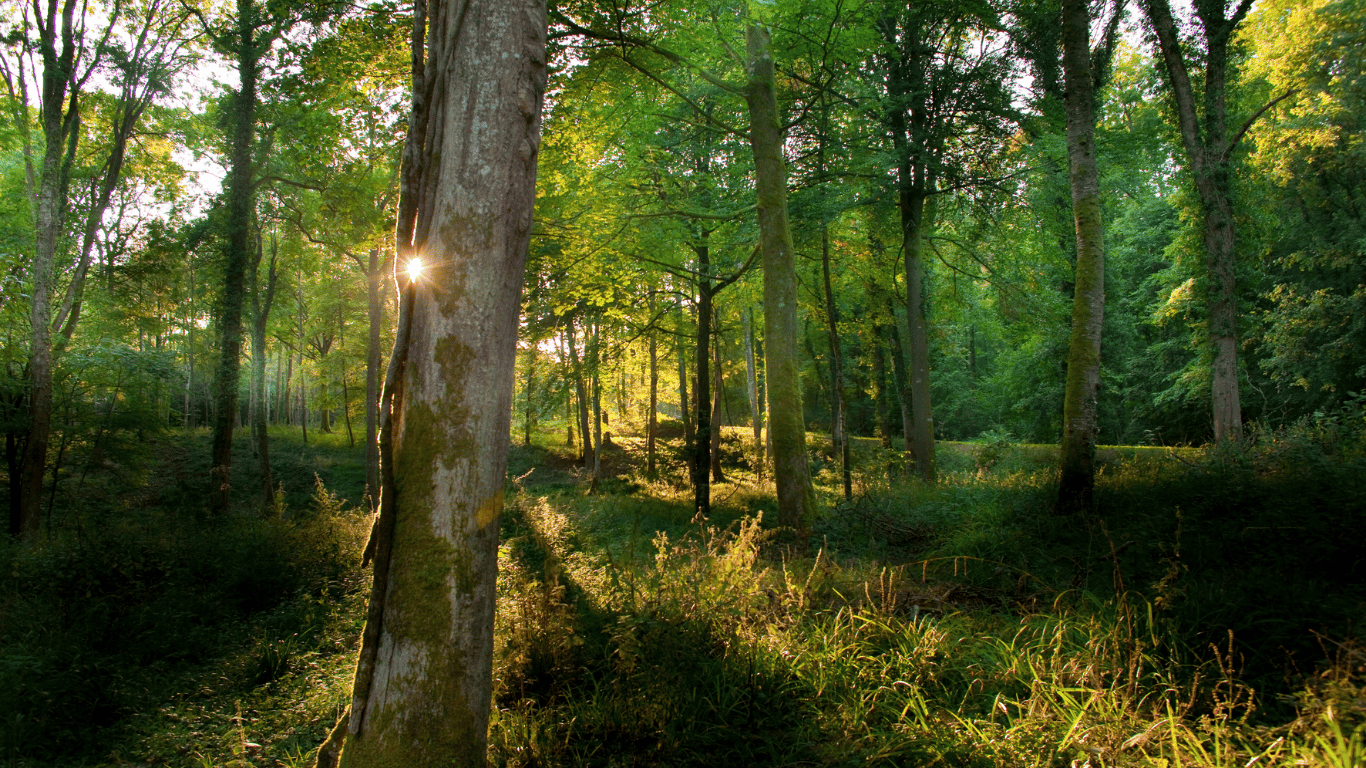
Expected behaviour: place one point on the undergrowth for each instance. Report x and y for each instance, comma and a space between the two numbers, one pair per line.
1207, 614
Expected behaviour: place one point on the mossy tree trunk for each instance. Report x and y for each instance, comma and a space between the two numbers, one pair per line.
1078, 450
424, 679
796, 499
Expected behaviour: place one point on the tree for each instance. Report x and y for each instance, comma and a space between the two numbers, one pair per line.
946, 110
1209, 161
72, 47
425, 701
636, 45
1078, 449
248, 37
1311, 154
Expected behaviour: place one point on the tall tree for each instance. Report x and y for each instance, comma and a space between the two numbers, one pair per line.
71, 46
787, 427
1209, 147
631, 38
946, 110
247, 37
425, 700
1078, 449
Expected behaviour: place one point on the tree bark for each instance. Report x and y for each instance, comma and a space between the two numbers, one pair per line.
796, 499
917, 215
1078, 450
424, 682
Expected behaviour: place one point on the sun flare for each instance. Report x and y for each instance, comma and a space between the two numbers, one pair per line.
414, 269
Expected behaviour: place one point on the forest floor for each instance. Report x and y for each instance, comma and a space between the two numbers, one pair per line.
1211, 612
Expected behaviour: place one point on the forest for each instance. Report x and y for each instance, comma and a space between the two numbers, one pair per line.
663, 383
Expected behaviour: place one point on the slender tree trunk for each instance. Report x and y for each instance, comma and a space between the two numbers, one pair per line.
884, 417
241, 194
1078, 450
188, 416
756, 417
597, 405
424, 681
586, 455
528, 412
700, 456
261, 306
714, 422
796, 499
684, 409
568, 419
838, 434
287, 393
652, 418
902, 386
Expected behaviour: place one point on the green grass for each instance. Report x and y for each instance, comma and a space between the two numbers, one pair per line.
1209, 614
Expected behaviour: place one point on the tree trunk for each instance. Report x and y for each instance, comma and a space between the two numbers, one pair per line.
424, 681
581, 392
529, 412
1078, 450
756, 416
714, 422
884, 417
838, 432
260, 317
796, 499
241, 194
652, 418
684, 403
902, 386
700, 456
596, 352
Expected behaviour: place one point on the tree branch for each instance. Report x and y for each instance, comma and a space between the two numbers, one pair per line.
1237, 137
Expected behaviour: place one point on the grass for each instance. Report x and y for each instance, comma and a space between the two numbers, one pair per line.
1209, 614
